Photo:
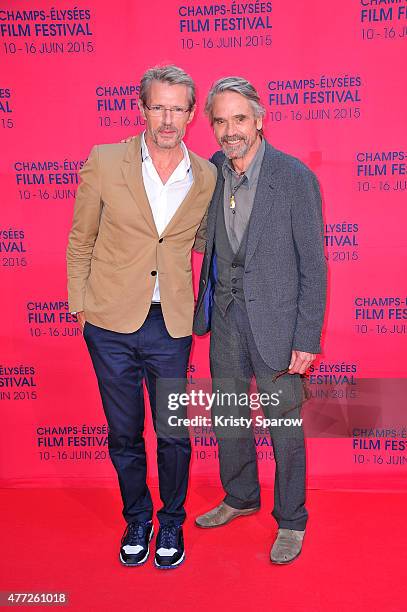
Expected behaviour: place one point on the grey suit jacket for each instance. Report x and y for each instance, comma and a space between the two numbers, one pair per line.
284, 280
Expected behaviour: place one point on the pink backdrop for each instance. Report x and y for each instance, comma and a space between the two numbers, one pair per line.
332, 76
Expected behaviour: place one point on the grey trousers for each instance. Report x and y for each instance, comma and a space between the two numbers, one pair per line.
234, 360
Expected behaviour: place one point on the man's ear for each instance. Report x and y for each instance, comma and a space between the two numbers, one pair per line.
141, 109
259, 123
191, 113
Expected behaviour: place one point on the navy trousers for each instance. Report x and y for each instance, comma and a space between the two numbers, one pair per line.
121, 363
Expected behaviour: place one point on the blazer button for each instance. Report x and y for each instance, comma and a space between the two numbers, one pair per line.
161, 239
154, 273
234, 291
203, 281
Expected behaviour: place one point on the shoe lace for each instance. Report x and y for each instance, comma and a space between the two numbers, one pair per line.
168, 536
135, 533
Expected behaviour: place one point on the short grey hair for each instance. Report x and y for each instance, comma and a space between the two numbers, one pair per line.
173, 75
237, 85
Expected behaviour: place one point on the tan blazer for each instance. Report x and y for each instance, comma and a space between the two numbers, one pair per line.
114, 250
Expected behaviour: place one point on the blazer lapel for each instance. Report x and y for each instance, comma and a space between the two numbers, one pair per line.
132, 173
194, 190
263, 202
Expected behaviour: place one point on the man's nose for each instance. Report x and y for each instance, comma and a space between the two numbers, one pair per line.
167, 116
230, 128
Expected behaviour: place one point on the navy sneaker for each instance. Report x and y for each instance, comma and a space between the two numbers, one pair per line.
135, 546
170, 551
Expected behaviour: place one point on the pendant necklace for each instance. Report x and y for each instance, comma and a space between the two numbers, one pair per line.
232, 201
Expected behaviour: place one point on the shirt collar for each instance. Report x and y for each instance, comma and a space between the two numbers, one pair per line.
145, 155
252, 172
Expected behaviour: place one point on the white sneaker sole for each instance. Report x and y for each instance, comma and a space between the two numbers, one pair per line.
165, 567
143, 560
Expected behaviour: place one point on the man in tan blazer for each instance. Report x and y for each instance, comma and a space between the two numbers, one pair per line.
137, 211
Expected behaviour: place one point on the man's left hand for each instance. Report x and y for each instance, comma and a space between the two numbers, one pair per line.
300, 362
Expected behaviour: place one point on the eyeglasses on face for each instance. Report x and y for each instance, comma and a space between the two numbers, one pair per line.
158, 109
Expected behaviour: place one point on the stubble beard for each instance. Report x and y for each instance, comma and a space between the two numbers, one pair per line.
236, 151
164, 144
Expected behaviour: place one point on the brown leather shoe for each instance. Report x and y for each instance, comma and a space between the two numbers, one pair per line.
221, 515
287, 546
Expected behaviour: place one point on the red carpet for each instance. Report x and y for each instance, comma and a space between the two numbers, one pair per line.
354, 555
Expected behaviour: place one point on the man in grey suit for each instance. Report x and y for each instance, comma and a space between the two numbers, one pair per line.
262, 295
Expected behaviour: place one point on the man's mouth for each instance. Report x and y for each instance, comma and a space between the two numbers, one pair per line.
167, 132
232, 140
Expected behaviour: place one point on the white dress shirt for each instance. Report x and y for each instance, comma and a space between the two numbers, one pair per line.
165, 199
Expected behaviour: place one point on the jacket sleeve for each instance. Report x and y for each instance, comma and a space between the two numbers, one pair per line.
307, 227
200, 239
84, 231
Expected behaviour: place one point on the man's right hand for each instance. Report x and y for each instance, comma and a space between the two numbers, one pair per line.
81, 318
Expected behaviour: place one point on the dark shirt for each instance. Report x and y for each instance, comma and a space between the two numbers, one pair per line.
237, 221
